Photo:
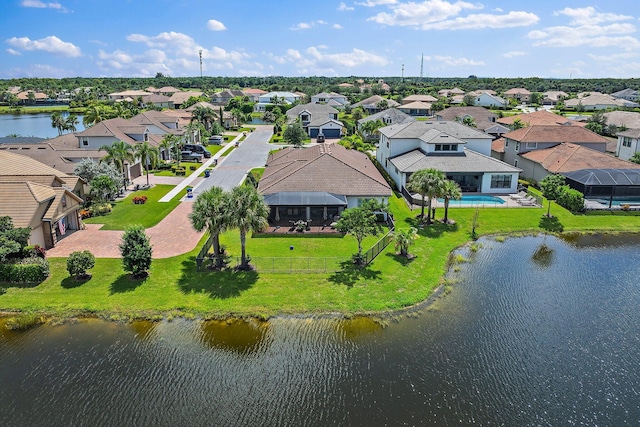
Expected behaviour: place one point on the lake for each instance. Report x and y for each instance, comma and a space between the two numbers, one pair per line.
535, 331
38, 124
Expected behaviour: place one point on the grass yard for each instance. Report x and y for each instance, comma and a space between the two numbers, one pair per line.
390, 282
126, 213
213, 149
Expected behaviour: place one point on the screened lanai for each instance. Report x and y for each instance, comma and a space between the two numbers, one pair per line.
610, 187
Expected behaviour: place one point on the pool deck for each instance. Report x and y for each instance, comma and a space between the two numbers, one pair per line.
508, 203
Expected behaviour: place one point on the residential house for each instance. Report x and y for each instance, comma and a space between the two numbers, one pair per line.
540, 117
317, 119
520, 94
624, 120
552, 97
167, 90
178, 98
420, 98
450, 92
332, 99
596, 102
128, 95
461, 152
390, 116
539, 137
228, 120
285, 98
416, 108
253, 94
222, 98
627, 94
29, 96
567, 157
375, 104
318, 182
39, 197
489, 100
628, 143
485, 120
158, 100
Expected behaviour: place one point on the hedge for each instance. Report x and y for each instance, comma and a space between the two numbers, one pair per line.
28, 270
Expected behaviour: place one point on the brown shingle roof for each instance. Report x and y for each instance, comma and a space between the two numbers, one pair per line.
323, 168
571, 157
555, 134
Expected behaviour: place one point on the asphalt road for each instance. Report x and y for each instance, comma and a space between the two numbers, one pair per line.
251, 153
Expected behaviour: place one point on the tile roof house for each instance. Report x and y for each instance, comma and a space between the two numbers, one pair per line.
417, 97
463, 153
222, 98
416, 108
318, 182
628, 143
628, 94
373, 104
253, 93
539, 137
552, 97
595, 102
567, 157
489, 100
269, 98
178, 98
520, 94
39, 197
132, 94
390, 116
623, 119
540, 117
485, 120
330, 98
317, 119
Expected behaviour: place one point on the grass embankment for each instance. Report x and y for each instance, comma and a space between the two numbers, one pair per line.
41, 109
390, 282
126, 213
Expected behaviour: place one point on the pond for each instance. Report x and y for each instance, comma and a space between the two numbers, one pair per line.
37, 124
535, 331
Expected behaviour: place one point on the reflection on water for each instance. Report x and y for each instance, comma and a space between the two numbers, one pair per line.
536, 331
38, 124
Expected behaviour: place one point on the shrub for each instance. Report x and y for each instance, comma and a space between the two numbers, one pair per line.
570, 199
85, 213
24, 321
99, 209
136, 251
34, 250
139, 200
192, 167
79, 262
28, 270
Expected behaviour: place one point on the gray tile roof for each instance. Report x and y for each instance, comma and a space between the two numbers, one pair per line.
393, 114
315, 110
415, 130
467, 162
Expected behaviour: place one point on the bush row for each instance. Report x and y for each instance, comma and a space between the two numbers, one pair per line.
28, 270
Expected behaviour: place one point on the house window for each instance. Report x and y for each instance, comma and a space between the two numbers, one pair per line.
501, 181
517, 146
446, 147
85, 142
532, 145
515, 163
304, 117
506, 143
626, 142
64, 201
387, 143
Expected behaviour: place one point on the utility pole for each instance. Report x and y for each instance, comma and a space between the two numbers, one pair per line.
402, 79
421, 66
200, 64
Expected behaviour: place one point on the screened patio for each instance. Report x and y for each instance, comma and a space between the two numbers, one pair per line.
609, 187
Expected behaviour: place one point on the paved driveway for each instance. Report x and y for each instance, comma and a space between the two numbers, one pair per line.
251, 153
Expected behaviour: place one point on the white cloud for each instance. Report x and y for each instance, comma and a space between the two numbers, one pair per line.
418, 14
372, 3
514, 53
314, 60
308, 25
215, 25
13, 52
483, 20
451, 61
337, 26
344, 7
589, 16
51, 44
613, 57
41, 5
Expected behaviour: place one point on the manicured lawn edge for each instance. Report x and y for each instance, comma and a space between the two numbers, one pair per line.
389, 284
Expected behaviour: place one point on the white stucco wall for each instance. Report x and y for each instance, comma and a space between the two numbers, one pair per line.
625, 153
486, 184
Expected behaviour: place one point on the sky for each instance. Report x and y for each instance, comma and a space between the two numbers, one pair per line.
370, 38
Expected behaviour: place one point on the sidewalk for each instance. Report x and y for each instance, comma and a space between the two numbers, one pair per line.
188, 181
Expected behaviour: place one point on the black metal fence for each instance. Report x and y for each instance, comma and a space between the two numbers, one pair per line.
292, 265
381, 244
204, 251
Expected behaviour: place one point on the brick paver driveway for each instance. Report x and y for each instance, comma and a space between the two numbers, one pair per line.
170, 237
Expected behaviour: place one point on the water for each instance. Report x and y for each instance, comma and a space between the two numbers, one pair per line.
537, 331
475, 200
38, 124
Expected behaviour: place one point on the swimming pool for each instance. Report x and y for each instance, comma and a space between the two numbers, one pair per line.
474, 200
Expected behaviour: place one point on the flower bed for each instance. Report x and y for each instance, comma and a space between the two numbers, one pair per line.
139, 200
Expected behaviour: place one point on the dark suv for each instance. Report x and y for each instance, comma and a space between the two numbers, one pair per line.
191, 156
197, 148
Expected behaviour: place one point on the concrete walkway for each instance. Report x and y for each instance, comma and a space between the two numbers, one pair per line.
170, 237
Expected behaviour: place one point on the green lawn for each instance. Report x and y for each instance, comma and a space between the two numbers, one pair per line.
126, 213
390, 282
213, 149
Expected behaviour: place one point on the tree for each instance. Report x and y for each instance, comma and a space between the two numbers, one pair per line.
136, 251
427, 183
204, 115
403, 239
382, 105
94, 114
148, 155
57, 121
450, 191
469, 121
79, 262
12, 239
469, 100
357, 114
71, 123
211, 211
517, 124
551, 186
88, 169
370, 129
294, 134
103, 187
248, 212
118, 153
635, 158
360, 222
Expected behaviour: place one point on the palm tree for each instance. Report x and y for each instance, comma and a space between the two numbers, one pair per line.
57, 121
248, 213
94, 114
148, 155
71, 123
204, 115
211, 211
118, 153
450, 191
166, 145
403, 239
427, 183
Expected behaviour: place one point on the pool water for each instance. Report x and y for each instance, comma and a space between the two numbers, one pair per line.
475, 200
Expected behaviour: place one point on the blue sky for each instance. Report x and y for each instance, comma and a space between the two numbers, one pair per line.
491, 38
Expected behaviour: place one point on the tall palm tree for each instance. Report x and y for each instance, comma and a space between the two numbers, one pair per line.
57, 121
118, 153
166, 145
94, 114
71, 123
450, 191
204, 115
427, 183
211, 211
148, 155
248, 213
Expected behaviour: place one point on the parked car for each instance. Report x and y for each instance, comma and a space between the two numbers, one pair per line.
320, 138
197, 148
216, 139
191, 156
